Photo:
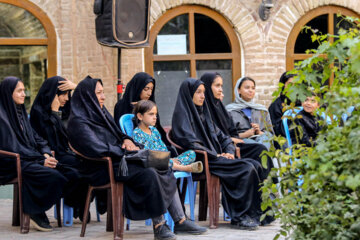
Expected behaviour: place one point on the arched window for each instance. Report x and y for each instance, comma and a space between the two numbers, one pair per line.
188, 41
27, 45
325, 20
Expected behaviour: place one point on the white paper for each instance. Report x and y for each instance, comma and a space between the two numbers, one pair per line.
174, 44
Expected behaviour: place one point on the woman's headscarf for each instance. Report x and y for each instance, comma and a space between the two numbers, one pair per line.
41, 117
187, 125
284, 78
91, 129
132, 94
241, 103
16, 132
217, 109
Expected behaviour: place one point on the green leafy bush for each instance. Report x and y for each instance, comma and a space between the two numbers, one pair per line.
326, 205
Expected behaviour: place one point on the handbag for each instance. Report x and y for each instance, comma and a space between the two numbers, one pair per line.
146, 158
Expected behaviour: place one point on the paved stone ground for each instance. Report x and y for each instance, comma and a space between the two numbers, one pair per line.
138, 230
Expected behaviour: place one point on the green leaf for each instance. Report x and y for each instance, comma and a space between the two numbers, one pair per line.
264, 160
276, 236
353, 182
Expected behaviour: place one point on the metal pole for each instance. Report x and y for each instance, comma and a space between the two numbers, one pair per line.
119, 83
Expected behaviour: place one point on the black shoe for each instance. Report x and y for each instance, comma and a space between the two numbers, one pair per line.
245, 224
163, 232
40, 222
189, 227
267, 220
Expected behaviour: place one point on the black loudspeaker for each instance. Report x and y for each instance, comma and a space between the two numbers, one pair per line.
122, 23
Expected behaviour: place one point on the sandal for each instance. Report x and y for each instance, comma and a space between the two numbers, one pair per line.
196, 167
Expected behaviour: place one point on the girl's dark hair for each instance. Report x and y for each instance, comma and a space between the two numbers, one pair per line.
246, 79
142, 107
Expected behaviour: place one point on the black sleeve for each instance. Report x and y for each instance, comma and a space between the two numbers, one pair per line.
41, 144
275, 111
301, 133
85, 140
227, 145
198, 146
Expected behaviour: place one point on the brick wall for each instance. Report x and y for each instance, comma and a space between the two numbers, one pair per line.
263, 43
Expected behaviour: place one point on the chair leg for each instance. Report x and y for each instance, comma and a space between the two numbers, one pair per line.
213, 198
109, 214
203, 201
58, 212
25, 224
118, 218
16, 205
191, 195
86, 212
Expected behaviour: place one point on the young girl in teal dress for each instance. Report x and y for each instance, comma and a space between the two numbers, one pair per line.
146, 133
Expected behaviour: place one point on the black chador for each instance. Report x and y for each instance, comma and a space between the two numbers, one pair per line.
48, 125
132, 95
193, 128
42, 186
224, 122
92, 131
276, 107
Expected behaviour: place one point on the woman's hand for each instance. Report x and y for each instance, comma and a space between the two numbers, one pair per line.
257, 128
67, 85
55, 105
237, 140
129, 145
50, 161
228, 155
247, 133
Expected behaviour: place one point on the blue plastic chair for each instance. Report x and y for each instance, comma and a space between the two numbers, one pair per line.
190, 190
68, 214
289, 113
345, 116
127, 127
126, 124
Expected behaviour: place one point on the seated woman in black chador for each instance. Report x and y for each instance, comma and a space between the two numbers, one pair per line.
276, 108
213, 91
140, 87
148, 193
43, 181
45, 118
308, 122
193, 128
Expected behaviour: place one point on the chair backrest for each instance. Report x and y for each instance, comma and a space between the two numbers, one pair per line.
289, 113
126, 124
168, 136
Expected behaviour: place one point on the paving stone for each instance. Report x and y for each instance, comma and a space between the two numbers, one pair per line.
138, 230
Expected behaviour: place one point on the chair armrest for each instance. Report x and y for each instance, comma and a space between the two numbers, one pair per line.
9, 154
99, 159
201, 152
171, 141
18, 162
